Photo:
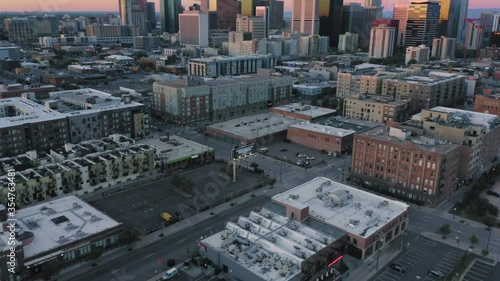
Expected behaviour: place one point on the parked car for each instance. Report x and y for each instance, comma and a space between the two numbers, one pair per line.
436, 273
170, 274
301, 155
397, 267
299, 162
283, 149
330, 153
492, 193
310, 157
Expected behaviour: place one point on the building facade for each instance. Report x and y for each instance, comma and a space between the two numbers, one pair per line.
348, 42
487, 104
422, 23
133, 12
353, 19
193, 28
169, 15
111, 31
305, 17
214, 67
421, 170
401, 15
419, 54
382, 39
376, 108
255, 25
226, 11
330, 19
443, 48
321, 137
276, 10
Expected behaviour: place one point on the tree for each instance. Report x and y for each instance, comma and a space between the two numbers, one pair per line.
445, 229
129, 236
325, 102
412, 61
314, 101
473, 240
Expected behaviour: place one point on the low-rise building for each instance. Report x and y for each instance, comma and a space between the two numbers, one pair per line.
17, 90
433, 89
77, 168
376, 108
321, 137
414, 168
316, 223
58, 234
487, 103
303, 111
214, 67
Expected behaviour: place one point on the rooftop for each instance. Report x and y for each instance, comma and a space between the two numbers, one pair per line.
27, 112
350, 209
251, 127
347, 123
323, 129
433, 78
378, 99
269, 244
461, 118
399, 136
60, 222
305, 109
176, 148
225, 58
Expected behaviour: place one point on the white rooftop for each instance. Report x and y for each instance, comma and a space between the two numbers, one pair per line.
305, 109
118, 57
28, 112
350, 209
60, 222
269, 244
177, 148
259, 125
338, 132
476, 118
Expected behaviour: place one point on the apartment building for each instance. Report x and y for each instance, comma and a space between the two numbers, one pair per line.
433, 89
71, 117
420, 54
478, 134
16, 90
367, 79
214, 67
487, 103
192, 100
398, 163
77, 168
112, 30
376, 108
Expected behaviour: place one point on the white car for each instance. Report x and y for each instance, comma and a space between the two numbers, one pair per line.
310, 157
301, 155
299, 162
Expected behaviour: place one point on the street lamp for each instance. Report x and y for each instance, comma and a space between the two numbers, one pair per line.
454, 212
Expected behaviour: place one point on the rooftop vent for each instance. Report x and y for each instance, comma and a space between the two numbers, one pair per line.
293, 196
80, 234
70, 227
383, 204
357, 205
369, 213
95, 218
87, 213
353, 223
63, 239
76, 206
32, 224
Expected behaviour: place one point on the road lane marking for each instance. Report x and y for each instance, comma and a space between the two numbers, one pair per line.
180, 241
150, 255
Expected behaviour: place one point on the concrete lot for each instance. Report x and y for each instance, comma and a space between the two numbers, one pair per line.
141, 207
291, 154
423, 255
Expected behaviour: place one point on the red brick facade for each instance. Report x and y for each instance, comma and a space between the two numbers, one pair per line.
487, 104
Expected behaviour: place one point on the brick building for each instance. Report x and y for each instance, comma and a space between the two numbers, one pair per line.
487, 103
376, 108
321, 137
16, 90
414, 168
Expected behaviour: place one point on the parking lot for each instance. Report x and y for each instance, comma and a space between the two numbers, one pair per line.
446, 264
141, 209
288, 152
407, 261
479, 271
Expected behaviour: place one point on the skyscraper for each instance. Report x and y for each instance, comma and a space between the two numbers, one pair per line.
263, 12
443, 48
193, 28
473, 34
151, 15
255, 25
382, 41
248, 7
330, 20
305, 17
353, 19
169, 15
226, 11
390, 23
376, 3
422, 25
495, 26
458, 29
487, 23
401, 14
276, 10
371, 13
133, 12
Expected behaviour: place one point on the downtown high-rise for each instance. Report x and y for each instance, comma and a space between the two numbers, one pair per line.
330, 20
305, 17
169, 15
133, 12
401, 15
422, 24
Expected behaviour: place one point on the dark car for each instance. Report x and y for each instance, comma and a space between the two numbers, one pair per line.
436, 273
283, 149
492, 193
397, 267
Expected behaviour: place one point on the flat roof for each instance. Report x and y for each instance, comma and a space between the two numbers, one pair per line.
305, 109
347, 123
177, 148
432, 78
30, 112
345, 207
225, 58
60, 222
269, 244
476, 118
338, 132
259, 125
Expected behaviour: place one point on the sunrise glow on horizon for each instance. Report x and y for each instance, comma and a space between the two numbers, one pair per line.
112, 5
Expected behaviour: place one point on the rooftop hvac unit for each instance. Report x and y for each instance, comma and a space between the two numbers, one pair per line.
293, 196
383, 204
369, 213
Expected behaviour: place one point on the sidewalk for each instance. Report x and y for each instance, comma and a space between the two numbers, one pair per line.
82, 268
368, 268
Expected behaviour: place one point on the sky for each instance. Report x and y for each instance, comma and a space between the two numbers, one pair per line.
112, 5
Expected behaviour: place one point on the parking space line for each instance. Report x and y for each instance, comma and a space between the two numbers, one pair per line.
448, 263
474, 268
482, 265
468, 276
396, 276
442, 268
475, 273
410, 264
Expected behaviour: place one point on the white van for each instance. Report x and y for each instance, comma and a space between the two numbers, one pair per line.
171, 273
264, 150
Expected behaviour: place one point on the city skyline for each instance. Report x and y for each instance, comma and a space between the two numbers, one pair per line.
112, 6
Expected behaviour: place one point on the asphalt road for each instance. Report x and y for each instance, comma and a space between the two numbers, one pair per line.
143, 263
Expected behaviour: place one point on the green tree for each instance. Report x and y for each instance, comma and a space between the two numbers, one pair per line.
128, 236
412, 61
314, 101
473, 240
325, 102
445, 229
